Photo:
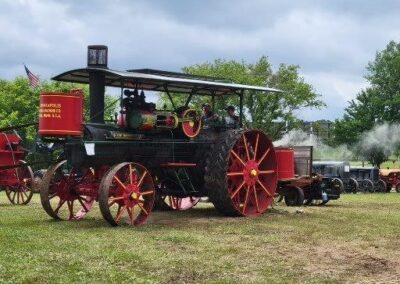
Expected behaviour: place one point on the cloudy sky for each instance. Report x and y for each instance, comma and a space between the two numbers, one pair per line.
332, 41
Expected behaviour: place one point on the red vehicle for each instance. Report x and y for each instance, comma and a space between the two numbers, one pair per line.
391, 177
16, 177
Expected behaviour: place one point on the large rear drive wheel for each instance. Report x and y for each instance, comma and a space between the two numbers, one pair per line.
241, 173
126, 194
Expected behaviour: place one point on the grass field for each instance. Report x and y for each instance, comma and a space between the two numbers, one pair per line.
353, 239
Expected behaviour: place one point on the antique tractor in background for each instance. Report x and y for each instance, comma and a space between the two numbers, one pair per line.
151, 158
16, 177
298, 182
339, 173
391, 177
369, 179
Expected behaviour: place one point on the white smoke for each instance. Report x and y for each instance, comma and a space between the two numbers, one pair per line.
321, 151
383, 136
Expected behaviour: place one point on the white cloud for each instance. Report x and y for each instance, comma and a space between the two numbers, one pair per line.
331, 41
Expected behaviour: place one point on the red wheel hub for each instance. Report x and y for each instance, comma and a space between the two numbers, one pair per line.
250, 173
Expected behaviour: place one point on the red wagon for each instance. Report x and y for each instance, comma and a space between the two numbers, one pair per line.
16, 177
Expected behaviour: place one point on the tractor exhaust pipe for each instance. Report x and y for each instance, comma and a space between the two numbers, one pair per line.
97, 57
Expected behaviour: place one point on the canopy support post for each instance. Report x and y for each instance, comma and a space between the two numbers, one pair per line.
241, 109
169, 96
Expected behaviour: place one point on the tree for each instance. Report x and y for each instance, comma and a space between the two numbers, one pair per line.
377, 104
261, 110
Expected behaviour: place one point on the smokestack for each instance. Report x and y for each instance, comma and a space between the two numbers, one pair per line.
97, 57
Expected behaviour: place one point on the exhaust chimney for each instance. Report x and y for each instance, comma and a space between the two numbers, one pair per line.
97, 57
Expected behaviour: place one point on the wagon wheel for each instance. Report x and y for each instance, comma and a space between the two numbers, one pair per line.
126, 193
241, 175
58, 192
337, 182
367, 186
295, 197
168, 202
21, 194
381, 186
352, 186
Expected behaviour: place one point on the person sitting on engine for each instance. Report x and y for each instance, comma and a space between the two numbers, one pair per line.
209, 117
232, 120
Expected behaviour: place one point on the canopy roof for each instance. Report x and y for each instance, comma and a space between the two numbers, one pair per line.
156, 80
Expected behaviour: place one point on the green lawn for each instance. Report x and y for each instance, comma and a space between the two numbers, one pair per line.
356, 238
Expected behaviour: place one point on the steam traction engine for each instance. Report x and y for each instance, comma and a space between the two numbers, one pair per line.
151, 158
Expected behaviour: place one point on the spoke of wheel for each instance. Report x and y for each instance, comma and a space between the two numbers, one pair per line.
147, 192
246, 199
22, 197
120, 182
171, 204
233, 174
245, 146
26, 195
237, 157
256, 147
51, 196
238, 189
143, 209
18, 197
60, 203
83, 204
130, 213
266, 172
120, 212
13, 199
113, 200
71, 209
263, 156
264, 188
130, 174
256, 198
142, 178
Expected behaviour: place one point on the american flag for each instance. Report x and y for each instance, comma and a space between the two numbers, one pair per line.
33, 79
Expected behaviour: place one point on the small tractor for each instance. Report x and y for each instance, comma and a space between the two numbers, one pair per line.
391, 177
298, 182
339, 173
151, 158
16, 176
369, 179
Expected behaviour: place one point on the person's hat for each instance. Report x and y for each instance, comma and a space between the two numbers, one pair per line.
205, 105
230, 108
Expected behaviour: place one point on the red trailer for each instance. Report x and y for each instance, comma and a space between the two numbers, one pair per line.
16, 177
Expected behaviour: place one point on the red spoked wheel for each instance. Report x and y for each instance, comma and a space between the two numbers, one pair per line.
191, 123
168, 202
126, 194
68, 193
21, 193
247, 160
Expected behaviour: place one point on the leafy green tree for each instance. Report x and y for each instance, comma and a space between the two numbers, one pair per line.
260, 110
378, 103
